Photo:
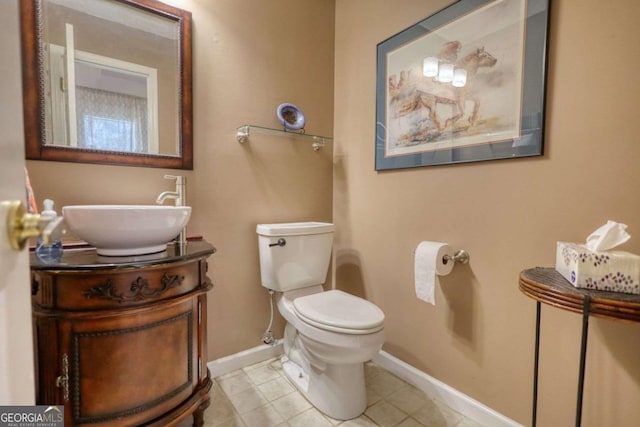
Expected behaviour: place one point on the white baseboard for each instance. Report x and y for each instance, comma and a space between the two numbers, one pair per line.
436, 389
245, 358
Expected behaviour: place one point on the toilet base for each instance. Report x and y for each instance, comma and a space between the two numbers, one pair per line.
338, 391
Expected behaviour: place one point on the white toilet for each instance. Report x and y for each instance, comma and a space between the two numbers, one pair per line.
329, 334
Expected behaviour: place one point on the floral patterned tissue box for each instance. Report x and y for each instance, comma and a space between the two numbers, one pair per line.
614, 271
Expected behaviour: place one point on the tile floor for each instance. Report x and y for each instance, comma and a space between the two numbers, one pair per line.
261, 396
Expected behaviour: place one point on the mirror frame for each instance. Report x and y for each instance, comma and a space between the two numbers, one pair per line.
33, 95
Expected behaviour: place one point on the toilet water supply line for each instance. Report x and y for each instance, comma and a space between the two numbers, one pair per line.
267, 337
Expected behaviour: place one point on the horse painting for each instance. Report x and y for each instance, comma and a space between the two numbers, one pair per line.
413, 93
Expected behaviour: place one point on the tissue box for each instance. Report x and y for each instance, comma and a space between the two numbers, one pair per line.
614, 271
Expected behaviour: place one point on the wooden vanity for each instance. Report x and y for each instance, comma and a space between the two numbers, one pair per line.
122, 341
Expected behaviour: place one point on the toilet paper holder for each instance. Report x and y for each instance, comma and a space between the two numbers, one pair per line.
461, 256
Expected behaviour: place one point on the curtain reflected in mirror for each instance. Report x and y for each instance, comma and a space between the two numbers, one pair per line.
112, 121
114, 81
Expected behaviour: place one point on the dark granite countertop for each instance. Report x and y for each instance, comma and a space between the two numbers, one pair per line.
88, 258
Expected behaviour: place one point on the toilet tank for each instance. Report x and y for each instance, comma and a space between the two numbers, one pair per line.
294, 255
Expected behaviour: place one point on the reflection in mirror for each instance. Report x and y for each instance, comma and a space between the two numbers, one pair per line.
107, 81
113, 104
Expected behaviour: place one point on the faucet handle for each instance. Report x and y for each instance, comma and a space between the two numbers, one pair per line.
178, 178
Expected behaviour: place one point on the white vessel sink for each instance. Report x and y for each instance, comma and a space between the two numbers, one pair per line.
122, 230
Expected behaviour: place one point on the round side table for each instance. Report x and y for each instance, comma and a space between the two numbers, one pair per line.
546, 285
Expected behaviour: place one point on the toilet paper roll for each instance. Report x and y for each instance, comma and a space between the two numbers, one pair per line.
429, 264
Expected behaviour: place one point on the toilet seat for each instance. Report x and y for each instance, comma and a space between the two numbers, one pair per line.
338, 311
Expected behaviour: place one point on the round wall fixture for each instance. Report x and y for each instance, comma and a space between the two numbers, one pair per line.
290, 116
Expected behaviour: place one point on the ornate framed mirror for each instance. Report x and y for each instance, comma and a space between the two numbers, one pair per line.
107, 81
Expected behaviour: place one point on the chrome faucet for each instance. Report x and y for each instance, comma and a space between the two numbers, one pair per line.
180, 197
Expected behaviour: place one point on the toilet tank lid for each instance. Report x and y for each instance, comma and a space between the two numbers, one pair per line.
294, 228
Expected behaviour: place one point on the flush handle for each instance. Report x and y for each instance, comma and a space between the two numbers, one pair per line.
281, 242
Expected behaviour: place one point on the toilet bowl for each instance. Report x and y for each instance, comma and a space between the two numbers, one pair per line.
325, 350
329, 334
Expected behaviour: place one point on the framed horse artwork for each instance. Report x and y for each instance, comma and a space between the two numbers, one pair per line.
465, 84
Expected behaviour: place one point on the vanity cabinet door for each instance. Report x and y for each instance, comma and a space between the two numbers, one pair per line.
130, 366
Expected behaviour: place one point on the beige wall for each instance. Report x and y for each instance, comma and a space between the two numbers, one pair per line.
508, 214
249, 56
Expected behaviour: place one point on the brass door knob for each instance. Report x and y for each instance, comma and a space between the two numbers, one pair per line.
22, 225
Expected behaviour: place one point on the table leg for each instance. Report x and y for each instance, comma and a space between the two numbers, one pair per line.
583, 357
536, 359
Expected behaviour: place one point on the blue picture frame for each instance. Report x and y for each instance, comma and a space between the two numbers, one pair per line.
486, 99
